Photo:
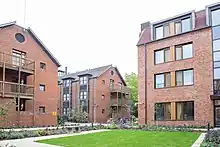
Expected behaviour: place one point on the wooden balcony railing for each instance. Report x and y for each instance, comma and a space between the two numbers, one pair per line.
119, 88
9, 88
12, 60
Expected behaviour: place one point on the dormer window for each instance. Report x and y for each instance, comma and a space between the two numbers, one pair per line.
162, 31
83, 80
183, 25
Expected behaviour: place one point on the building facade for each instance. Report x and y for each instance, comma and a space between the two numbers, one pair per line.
101, 92
28, 78
179, 70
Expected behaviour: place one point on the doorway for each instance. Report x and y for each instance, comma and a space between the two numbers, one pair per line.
217, 113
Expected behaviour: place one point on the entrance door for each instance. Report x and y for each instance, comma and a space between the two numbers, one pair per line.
217, 112
217, 116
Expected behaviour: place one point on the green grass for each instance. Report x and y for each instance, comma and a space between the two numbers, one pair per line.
127, 138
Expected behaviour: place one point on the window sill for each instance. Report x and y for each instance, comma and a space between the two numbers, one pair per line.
175, 86
173, 61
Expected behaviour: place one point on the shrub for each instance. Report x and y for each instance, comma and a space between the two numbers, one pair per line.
212, 139
42, 132
79, 117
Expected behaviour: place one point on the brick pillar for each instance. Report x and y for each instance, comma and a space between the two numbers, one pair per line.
142, 118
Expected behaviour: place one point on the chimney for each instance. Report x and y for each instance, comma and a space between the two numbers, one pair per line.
65, 70
145, 25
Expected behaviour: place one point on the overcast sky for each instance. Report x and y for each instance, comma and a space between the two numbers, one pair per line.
89, 33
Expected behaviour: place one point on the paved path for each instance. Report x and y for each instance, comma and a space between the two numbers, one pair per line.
198, 142
29, 142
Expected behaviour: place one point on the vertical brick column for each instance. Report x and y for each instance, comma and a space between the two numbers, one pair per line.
141, 85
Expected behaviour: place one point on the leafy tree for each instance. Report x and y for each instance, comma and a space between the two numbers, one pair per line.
132, 83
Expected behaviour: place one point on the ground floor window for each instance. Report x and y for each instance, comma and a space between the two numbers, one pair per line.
162, 111
185, 110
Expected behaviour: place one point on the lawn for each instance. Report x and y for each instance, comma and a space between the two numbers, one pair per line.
127, 138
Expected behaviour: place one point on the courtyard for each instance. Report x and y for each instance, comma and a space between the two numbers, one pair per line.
127, 138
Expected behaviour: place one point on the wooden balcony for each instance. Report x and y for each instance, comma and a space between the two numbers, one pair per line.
119, 88
9, 89
14, 62
116, 102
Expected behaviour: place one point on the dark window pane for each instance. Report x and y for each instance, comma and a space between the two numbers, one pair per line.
217, 73
167, 55
216, 45
187, 51
166, 30
216, 32
216, 17
179, 78
159, 57
216, 64
178, 53
159, 81
177, 28
162, 111
216, 56
159, 32
185, 111
186, 25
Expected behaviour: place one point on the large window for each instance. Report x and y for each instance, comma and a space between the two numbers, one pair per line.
162, 80
184, 77
185, 110
184, 51
83, 80
66, 83
162, 31
183, 25
162, 111
215, 17
66, 97
162, 56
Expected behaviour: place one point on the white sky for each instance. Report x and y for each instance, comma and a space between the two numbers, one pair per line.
89, 33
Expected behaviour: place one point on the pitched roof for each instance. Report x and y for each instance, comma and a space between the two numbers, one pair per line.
95, 72
34, 36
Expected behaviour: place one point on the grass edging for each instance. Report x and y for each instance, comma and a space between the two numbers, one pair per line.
199, 141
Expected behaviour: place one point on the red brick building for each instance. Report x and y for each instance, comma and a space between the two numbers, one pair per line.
101, 87
179, 69
28, 78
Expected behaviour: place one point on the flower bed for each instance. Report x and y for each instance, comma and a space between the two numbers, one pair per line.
212, 139
12, 134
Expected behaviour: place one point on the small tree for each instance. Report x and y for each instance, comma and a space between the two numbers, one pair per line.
79, 116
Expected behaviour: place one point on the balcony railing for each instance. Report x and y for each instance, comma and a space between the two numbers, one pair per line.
13, 60
9, 88
115, 102
119, 88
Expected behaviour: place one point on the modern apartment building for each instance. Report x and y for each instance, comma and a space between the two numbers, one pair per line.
28, 78
179, 69
101, 92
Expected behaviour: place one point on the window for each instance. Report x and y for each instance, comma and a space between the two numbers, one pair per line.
66, 97
184, 77
216, 32
103, 111
184, 51
162, 31
162, 56
83, 95
112, 72
42, 66
19, 37
215, 17
83, 80
103, 97
42, 109
216, 56
64, 111
103, 81
216, 64
177, 28
111, 83
66, 83
216, 45
166, 31
42, 87
186, 26
162, 111
183, 25
159, 32
185, 110
22, 104
18, 57
162, 80
217, 73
